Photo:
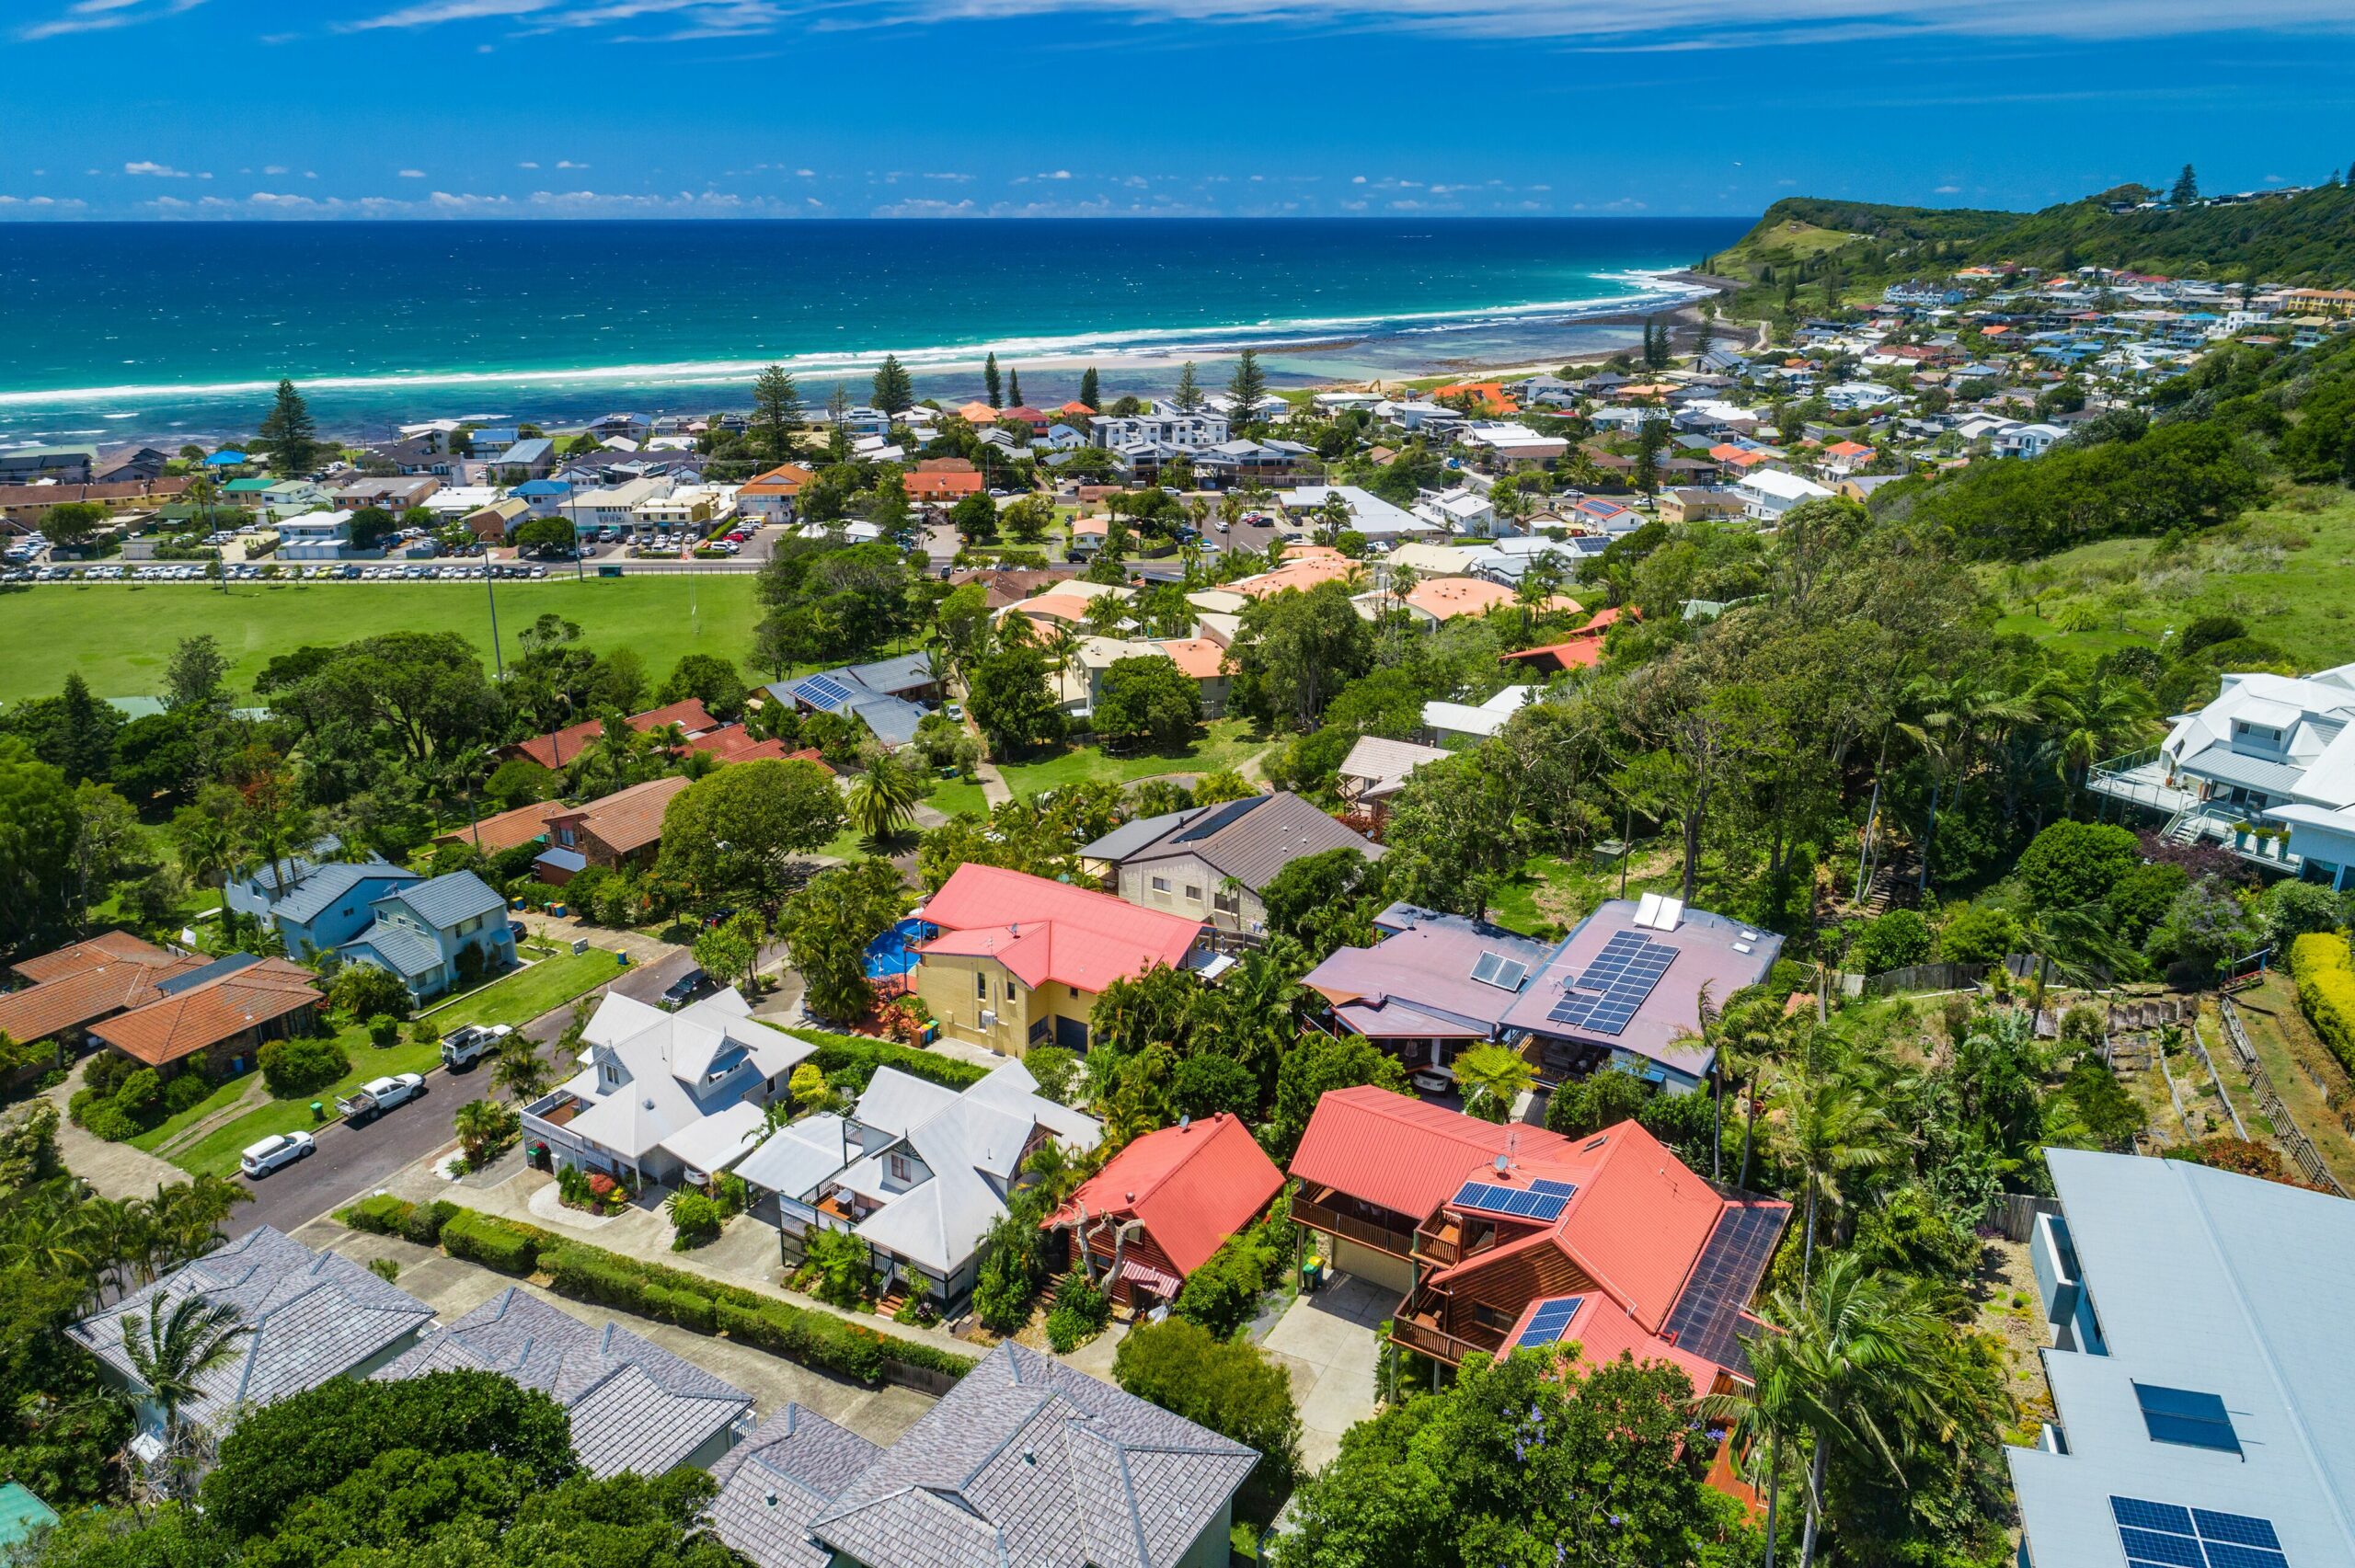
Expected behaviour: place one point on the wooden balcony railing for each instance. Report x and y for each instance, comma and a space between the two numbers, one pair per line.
1442, 1247
1317, 1216
1436, 1343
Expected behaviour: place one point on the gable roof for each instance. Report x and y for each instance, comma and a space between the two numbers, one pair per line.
1045, 931
1026, 1461
313, 1316
628, 818
445, 900
634, 1406
778, 1480
1252, 839
1400, 1153
197, 1010
1419, 981
322, 885
506, 829
76, 986
1386, 763
1193, 1185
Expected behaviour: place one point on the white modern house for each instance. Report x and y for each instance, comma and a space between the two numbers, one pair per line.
1164, 426
666, 1097
316, 536
613, 506
917, 1170
2200, 1384
1455, 722
1767, 493
2267, 770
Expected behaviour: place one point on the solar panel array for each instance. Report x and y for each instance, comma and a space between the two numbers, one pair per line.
1540, 1200
1706, 1317
2182, 1416
1495, 969
1622, 976
2165, 1535
1220, 817
823, 690
1551, 1322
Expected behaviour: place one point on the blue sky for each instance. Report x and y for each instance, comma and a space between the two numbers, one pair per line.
324, 109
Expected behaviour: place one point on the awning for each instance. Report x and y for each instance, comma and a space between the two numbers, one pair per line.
1151, 1278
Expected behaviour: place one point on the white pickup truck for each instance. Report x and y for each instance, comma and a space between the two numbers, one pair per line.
466, 1046
378, 1095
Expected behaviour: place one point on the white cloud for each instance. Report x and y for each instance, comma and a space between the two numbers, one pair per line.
160, 171
527, 165
1935, 190
569, 163
412, 173
273, 169
1058, 173
103, 15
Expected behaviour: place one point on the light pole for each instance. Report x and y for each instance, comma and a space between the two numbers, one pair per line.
491, 588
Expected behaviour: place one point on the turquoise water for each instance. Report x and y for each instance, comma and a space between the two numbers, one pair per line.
110, 331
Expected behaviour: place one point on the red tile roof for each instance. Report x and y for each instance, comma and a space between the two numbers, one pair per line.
627, 820
218, 1010
1397, 1153
562, 746
1581, 653
786, 479
923, 486
1193, 1186
76, 986
507, 829
1046, 931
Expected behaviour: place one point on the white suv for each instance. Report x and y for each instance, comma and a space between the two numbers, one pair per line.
280, 1149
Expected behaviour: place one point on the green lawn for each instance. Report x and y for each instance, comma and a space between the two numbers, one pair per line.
219, 1100
2287, 571
1228, 743
120, 636
954, 795
515, 1000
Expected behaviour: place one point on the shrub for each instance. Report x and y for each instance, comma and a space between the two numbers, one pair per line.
848, 1062
688, 1309
294, 1068
384, 1031
2326, 991
2073, 864
1222, 1294
845, 1269
141, 1094
1230, 1387
185, 1092
1892, 941
494, 1242
695, 1218
734, 1196
384, 1215
2292, 909
1080, 1313
1977, 934
364, 991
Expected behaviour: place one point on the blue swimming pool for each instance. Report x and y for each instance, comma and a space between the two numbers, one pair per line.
893, 953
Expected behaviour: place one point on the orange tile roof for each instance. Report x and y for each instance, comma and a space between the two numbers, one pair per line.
1197, 659
928, 486
559, 747
1295, 573
506, 829
977, 412
76, 986
209, 1013
627, 820
1445, 599
786, 479
1044, 930
1846, 449
1075, 406
1193, 1186
1487, 392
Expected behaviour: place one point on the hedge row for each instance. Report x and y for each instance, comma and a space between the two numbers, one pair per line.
818, 1340
2325, 975
858, 1055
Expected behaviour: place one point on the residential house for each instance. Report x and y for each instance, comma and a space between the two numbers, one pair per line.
2197, 1394
524, 460
311, 1317
394, 496
1270, 463
294, 498
2271, 752
666, 1097
774, 496
1515, 1238
496, 524
1211, 862
619, 830
453, 502
1026, 1464
1432, 986
919, 1171
505, 830
139, 465
436, 934
560, 748
224, 1012
1860, 486
942, 481
1162, 1207
1376, 768
1020, 960
1582, 650
1445, 722
313, 904
321, 536
53, 464
1767, 493
1692, 504
1509, 447
1460, 511
63, 992
545, 498
1200, 659
1164, 426
614, 506
1369, 514
2028, 440
888, 696
632, 1407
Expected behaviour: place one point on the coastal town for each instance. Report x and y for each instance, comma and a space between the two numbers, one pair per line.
1735, 950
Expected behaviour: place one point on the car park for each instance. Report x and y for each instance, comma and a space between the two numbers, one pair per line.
258, 1159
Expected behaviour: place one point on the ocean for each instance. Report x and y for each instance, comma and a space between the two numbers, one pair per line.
114, 332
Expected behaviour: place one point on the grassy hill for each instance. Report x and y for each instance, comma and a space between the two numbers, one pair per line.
2308, 239
120, 636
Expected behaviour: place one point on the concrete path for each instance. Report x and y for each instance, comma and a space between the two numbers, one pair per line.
1328, 1343
563, 932
113, 1169
452, 1287
995, 791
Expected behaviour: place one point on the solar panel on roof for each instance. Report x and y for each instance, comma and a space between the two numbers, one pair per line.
1550, 1321
1552, 1189
2243, 1529
1220, 817
2164, 1534
1514, 1203
2182, 1416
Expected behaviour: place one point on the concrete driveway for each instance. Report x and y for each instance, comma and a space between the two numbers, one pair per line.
1328, 1342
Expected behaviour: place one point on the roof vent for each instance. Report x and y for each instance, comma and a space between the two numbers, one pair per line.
1185, 1122
770, 1498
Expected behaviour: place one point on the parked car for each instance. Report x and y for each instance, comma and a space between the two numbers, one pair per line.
471, 1044
378, 1095
279, 1149
1433, 1080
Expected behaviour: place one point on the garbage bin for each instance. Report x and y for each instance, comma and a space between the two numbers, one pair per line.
318, 1112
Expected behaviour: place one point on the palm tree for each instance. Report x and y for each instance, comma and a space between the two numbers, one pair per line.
519, 1069
1956, 716
883, 798
1750, 1040
1491, 1078
480, 1125
1830, 1131
2095, 714
207, 844
170, 1356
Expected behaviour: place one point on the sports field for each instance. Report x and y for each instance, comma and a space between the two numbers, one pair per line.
120, 636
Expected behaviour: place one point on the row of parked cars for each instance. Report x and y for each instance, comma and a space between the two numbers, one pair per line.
346, 571
464, 1048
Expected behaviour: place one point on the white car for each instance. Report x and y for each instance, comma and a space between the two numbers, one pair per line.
1433, 1080
279, 1149
378, 1095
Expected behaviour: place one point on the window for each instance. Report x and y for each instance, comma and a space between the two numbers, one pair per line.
1161, 885
1194, 895
2182, 1416
901, 1172
981, 987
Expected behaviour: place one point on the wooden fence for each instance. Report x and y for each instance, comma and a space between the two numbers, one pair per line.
923, 1380
2014, 1213
2285, 1126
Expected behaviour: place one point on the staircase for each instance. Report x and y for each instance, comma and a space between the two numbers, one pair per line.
1895, 885
2184, 827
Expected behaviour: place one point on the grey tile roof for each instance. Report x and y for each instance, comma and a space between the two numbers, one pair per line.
634, 1406
443, 901
1129, 837
404, 951
1028, 1463
324, 885
313, 1316
1253, 839
776, 1482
